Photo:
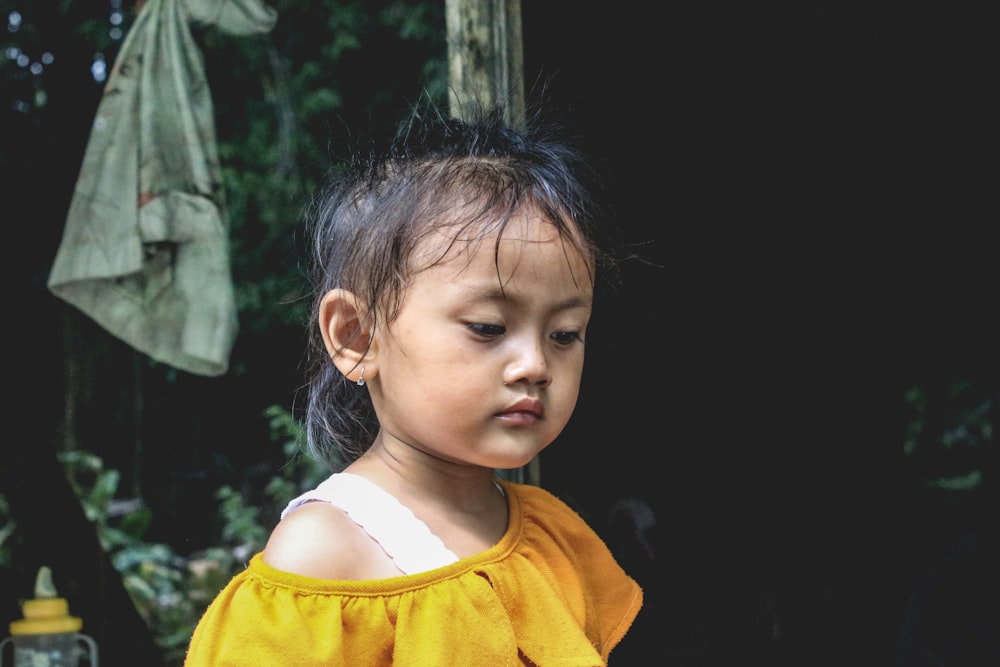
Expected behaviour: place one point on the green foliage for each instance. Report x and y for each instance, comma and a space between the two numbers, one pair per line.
163, 586
8, 533
289, 109
119, 524
301, 472
171, 591
949, 438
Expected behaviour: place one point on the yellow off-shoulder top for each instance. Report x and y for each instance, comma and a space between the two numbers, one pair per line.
548, 594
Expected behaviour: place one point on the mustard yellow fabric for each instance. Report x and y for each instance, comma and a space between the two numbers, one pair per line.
549, 594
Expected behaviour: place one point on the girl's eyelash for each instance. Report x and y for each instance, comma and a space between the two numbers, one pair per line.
497, 330
567, 337
487, 330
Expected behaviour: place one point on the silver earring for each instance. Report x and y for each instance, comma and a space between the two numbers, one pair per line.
361, 378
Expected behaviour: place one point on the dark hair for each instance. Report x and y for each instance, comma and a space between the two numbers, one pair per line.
371, 215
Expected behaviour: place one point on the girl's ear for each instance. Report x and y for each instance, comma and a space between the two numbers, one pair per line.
343, 321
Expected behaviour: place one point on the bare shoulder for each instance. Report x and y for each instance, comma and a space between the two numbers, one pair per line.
318, 540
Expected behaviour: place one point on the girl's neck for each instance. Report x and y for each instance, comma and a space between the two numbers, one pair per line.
415, 476
460, 504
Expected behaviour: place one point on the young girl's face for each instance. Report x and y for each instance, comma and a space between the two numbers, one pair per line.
482, 365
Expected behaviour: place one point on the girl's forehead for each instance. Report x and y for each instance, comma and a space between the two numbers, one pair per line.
529, 246
459, 246
447, 240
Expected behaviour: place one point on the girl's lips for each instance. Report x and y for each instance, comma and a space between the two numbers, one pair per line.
519, 418
525, 409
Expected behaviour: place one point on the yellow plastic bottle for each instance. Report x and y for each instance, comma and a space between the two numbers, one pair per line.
48, 636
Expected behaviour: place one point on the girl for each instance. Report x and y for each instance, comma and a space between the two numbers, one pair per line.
454, 278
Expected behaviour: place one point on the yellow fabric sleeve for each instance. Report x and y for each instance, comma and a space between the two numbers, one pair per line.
548, 594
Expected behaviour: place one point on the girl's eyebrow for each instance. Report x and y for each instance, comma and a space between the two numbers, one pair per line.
575, 302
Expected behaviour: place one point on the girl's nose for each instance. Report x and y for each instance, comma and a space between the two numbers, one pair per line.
529, 366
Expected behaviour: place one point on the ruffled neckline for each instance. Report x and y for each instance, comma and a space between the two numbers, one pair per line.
498, 552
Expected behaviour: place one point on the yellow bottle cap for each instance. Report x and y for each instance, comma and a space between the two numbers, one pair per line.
45, 614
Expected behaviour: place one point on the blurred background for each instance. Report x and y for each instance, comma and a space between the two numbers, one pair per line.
788, 425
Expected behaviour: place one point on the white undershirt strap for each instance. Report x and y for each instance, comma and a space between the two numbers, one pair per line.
404, 538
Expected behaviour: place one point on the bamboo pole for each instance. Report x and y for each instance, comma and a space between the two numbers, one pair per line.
485, 56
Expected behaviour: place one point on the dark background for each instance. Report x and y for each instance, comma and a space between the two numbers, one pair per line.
812, 188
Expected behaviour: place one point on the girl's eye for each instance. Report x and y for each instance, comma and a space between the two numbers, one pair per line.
487, 330
566, 337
